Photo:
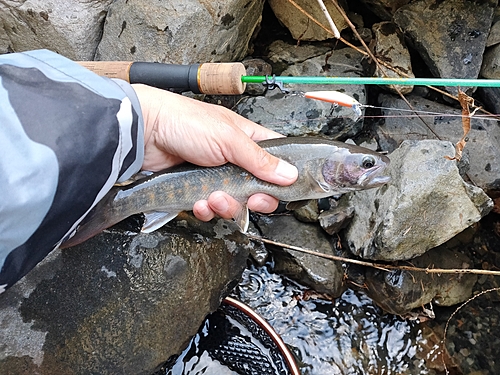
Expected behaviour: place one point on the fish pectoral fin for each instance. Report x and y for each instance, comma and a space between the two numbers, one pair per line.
154, 220
242, 218
319, 186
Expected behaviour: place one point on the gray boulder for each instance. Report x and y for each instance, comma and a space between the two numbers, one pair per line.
449, 35
481, 150
399, 292
179, 31
72, 28
426, 203
322, 275
118, 303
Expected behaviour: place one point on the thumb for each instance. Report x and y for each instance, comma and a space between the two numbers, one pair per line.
260, 163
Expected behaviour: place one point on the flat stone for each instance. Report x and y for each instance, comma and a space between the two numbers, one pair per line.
491, 63
494, 35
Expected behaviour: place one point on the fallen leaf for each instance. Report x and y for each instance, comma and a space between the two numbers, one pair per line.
466, 102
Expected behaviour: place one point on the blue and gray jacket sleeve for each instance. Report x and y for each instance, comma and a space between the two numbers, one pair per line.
66, 136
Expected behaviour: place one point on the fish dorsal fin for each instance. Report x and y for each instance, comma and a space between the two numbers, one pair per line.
242, 218
154, 220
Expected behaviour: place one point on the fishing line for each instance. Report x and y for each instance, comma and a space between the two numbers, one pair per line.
439, 116
422, 113
409, 113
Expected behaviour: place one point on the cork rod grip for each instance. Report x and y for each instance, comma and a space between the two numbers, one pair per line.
208, 78
110, 69
221, 78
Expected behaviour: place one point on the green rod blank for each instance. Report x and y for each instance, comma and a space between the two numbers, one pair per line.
377, 81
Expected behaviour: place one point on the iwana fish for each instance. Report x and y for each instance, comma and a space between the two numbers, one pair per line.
325, 168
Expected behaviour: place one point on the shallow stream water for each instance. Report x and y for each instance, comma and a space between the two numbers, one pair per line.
347, 336
351, 335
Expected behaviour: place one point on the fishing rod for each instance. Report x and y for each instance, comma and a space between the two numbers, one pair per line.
231, 78
325, 80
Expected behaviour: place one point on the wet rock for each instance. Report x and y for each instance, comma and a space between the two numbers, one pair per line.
72, 28
430, 349
322, 275
449, 35
337, 218
179, 31
118, 303
390, 47
294, 115
307, 213
426, 203
483, 143
300, 26
399, 292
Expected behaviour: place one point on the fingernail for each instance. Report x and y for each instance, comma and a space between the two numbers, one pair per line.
286, 170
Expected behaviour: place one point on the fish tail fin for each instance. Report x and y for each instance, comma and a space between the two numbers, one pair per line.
97, 220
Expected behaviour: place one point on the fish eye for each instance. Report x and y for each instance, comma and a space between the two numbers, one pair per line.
368, 162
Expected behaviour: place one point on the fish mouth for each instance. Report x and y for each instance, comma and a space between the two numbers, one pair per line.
372, 179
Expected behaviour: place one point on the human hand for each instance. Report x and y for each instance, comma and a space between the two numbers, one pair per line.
178, 128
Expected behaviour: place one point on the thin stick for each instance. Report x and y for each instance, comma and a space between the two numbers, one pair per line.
335, 31
384, 267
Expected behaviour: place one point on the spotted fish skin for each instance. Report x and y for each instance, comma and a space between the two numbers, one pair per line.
325, 168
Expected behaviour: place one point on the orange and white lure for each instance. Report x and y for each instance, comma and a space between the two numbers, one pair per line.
335, 97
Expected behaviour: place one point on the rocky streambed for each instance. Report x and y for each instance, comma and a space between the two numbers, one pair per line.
126, 302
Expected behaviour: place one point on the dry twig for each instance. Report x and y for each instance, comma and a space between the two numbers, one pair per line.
380, 266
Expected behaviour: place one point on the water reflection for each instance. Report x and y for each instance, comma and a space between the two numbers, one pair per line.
347, 336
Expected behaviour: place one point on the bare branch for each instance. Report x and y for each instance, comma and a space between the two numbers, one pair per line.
380, 266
